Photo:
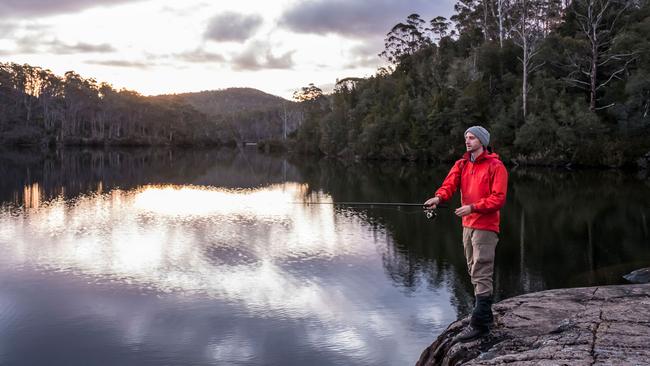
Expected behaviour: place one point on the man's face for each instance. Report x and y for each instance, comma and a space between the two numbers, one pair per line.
471, 142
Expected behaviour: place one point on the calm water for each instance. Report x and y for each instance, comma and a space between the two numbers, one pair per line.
160, 257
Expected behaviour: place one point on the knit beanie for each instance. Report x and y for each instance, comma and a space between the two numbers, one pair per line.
481, 134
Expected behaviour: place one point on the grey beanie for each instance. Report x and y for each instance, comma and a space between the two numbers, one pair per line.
481, 134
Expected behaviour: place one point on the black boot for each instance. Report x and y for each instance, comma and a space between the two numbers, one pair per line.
480, 322
471, 333
482, 315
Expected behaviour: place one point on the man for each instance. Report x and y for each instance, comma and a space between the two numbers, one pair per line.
483, 182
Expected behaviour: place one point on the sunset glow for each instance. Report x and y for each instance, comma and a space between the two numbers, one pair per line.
166, 46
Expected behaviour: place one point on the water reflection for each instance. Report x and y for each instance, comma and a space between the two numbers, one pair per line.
220, 242
554, 233
204, 257
255, 251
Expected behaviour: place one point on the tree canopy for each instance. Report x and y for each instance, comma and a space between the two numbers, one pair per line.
39, 107
555, 81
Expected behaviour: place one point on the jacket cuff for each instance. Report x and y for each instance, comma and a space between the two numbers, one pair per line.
477, 207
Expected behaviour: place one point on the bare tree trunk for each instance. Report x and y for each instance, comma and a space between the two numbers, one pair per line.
526, 57
593, 74
593, 38
485, 19
500, 18
529, 38
524, 84
284, 122
28, 106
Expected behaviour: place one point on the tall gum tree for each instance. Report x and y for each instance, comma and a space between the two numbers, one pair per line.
405, 39
528, 36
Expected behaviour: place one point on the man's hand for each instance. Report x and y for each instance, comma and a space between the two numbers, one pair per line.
463, 210
432, 202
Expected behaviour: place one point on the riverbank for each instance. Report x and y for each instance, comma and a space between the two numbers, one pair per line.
639, 164
607, 325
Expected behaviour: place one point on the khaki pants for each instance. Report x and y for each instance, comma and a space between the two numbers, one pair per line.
479, 247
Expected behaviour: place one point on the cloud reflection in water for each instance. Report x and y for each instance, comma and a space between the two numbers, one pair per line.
256, 248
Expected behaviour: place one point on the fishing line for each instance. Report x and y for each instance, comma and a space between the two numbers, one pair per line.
430, 213
381, 204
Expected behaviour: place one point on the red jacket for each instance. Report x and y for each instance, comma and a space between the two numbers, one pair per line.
483, 185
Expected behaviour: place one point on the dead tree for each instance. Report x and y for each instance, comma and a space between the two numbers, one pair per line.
599, 65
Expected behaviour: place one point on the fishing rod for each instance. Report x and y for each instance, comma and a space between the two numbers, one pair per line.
430, 213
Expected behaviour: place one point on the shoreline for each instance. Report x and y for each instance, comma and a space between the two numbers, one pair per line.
637, 167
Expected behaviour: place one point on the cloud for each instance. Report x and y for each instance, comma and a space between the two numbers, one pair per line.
365, 55
11, 29
232, 27
358, 18
258, 56
61, 48
200, 56
27, 44
37, 38
36, 44
37, 8
6, 29
121, 63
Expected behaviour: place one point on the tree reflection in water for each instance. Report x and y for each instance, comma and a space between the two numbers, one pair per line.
559, 228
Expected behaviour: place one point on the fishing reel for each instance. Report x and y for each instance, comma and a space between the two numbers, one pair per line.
430, 213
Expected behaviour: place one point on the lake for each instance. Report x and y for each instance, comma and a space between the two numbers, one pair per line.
231, 257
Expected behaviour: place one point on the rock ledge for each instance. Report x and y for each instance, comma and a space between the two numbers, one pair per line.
607, 325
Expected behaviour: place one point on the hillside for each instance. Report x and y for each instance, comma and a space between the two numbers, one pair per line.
232, 100
72, 110
244, 114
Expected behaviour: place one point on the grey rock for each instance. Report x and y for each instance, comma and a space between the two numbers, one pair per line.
583, 326
639, 276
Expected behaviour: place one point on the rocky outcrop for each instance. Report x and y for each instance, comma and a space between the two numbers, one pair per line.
639, 276
584, 326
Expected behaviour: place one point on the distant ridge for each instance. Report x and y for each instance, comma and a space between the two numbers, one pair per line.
232, 100
244, 114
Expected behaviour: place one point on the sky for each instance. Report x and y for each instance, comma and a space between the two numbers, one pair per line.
169, 46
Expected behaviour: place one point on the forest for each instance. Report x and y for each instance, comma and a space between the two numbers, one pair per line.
557, 82
246, 114
38, 107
